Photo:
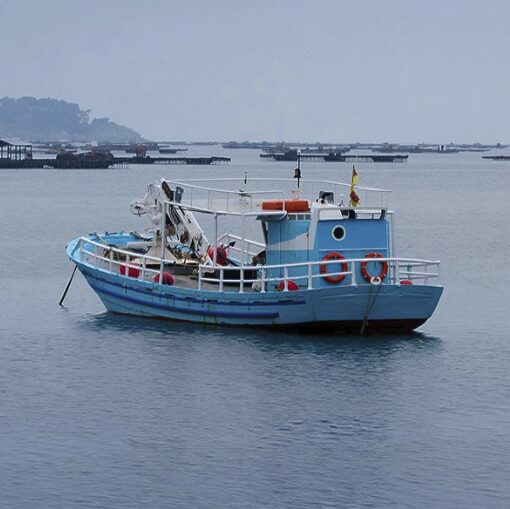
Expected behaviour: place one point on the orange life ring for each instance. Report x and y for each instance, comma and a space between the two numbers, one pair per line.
369, 277
333, 280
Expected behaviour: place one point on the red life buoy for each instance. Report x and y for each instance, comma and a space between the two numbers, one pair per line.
378, 278
333, 280
167, 279
221, 254
291, 286
129, 271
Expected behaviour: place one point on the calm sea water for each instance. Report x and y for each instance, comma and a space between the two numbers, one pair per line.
104, 411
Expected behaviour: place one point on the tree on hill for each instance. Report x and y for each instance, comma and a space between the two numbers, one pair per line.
55, 120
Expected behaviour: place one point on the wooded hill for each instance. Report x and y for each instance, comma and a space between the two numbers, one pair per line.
42, 120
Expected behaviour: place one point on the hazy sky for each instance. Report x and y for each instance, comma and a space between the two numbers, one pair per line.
333, 71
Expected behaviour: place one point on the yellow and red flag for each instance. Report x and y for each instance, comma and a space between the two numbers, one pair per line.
355, 201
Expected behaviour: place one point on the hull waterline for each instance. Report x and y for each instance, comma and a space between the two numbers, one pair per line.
375, 309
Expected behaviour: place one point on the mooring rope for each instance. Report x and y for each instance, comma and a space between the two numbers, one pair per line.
369, 307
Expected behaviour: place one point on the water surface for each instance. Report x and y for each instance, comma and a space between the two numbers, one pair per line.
105, 411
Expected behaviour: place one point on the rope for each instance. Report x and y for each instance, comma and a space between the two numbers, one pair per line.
369, 308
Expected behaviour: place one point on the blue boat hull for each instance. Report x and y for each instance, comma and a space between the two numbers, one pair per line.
375, 308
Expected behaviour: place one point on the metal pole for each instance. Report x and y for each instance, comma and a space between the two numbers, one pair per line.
215, 239
245, 246
144, 265
163, 242
353, 274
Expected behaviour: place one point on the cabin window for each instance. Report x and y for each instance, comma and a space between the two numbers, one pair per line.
338, 232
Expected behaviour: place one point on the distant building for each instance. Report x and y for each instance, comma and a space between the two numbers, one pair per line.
15, 152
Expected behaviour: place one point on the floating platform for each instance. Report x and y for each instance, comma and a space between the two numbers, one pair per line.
168, 150
291, 155
172, 160
67, 160
497, 158
96, 160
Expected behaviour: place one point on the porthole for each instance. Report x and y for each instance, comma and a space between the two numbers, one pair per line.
338, 232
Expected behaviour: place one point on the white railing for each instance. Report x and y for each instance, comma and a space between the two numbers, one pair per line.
400, 270
223, 201
103, 256
226, 238
204, 198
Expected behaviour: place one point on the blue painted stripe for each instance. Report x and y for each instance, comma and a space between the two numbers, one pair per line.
283, 302
166, 307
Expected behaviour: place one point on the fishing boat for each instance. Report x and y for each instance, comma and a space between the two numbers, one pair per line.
299, 257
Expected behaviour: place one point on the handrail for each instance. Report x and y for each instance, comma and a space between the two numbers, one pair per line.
237, 237
397, 270
288, 180
118, 263
224, 191
227, 236
416, 261
211, 194
398, 267
229, 192
122, 251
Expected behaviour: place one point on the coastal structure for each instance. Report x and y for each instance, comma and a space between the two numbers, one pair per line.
21, 156
292, 155
497, 158
14, 155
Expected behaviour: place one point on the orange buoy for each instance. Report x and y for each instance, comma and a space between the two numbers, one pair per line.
272, 205
297, 205
287, 205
